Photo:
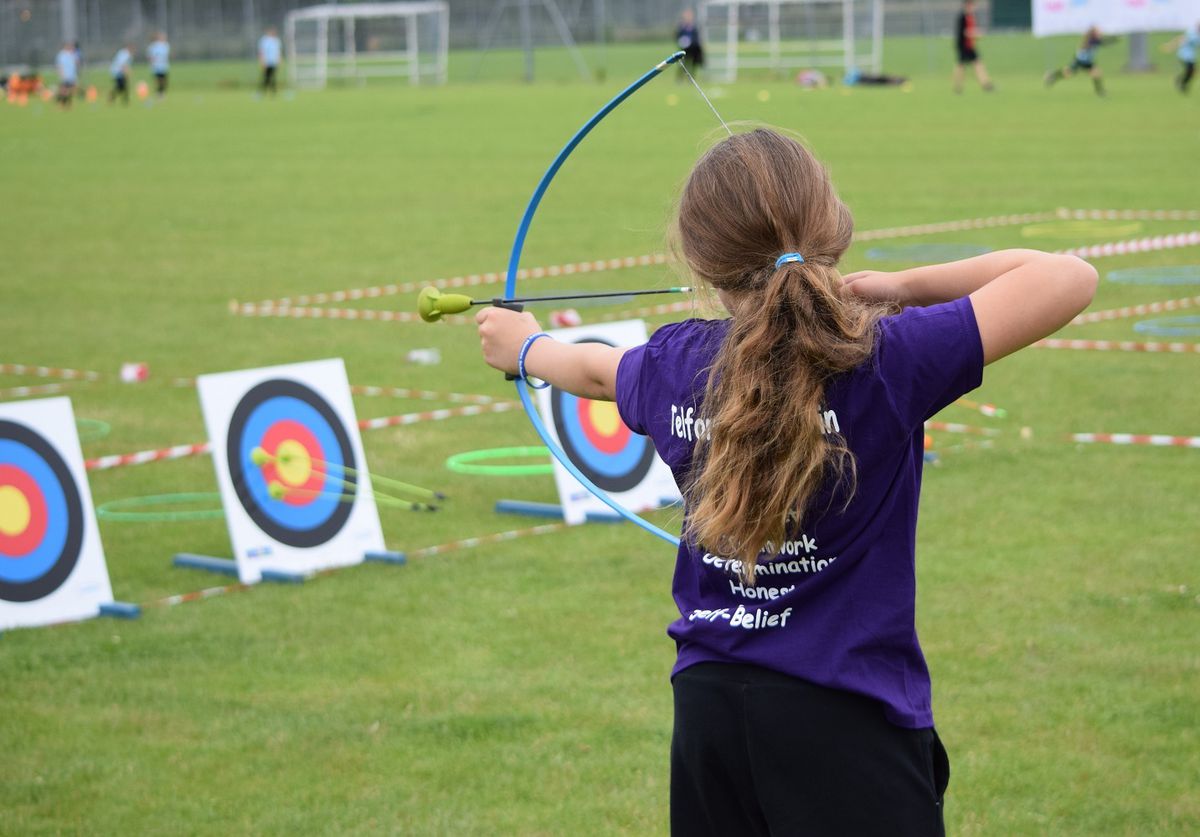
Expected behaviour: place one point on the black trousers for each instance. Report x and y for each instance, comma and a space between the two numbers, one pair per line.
120, 88
758, 752
268, 79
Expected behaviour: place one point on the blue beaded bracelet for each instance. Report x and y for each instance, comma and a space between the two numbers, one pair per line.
521, 360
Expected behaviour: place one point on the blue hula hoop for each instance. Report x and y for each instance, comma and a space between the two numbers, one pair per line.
1183, 274
1188, 326
931, 252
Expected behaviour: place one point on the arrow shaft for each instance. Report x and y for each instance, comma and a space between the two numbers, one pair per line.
602, 295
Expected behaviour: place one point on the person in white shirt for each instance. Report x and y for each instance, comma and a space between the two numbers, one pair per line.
270, 51
1186, 47
159, 55
67, 64
119, 70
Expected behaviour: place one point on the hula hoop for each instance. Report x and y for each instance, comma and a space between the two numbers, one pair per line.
1078, 229
92, 430
470, 462
1188, 326
927, 252
1185, 274
116, 510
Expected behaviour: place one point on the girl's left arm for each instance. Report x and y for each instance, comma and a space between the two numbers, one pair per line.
588, 370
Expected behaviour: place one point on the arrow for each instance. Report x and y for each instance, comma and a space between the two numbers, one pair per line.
432, 303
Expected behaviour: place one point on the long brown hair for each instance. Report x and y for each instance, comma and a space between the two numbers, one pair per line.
751, 198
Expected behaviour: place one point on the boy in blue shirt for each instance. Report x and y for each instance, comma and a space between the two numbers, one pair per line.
119, 69
1186, 46
159, 55
270, 50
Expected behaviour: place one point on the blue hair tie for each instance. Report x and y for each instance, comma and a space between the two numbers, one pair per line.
787, 258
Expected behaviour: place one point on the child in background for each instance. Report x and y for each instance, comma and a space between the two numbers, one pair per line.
1085, 59
120, 68
802, 697
159, 55
68, 74
1186, 46
965, 44
687, 38
270, 51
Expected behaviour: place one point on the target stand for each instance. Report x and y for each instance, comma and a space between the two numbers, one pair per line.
291, 472
52, 567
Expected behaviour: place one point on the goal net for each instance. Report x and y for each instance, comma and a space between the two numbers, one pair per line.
357, 41
786, 35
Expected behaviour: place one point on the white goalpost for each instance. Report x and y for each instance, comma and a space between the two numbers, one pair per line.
364, 40
785, 35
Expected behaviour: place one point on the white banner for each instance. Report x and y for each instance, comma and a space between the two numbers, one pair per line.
290, 467
51, 561
591, 433
1113, 17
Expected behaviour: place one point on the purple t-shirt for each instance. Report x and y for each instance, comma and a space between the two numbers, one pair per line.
837, 605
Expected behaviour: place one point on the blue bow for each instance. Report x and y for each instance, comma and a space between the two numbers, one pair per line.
510, 291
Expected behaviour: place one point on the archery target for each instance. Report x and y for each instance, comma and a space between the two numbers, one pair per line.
291, 469
593, 437
51, 563
596, 440
308, 461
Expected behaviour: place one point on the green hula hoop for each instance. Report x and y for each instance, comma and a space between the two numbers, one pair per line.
118, 511
472, 462
92, 430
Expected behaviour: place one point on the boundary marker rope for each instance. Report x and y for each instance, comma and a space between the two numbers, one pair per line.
48, 372
1154, 440
1135, 310
103, 463
1116, 346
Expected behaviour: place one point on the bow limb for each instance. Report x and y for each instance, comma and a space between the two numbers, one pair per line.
510, 290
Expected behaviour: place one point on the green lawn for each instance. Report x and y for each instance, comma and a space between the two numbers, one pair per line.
522, 687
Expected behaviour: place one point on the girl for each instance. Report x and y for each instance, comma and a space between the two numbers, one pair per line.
802, 699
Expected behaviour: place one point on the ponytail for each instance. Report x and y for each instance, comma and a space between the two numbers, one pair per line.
768, 452
751, 198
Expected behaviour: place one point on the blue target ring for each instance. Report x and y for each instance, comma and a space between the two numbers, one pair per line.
313, 513
1170, 326
609, 454
41, 522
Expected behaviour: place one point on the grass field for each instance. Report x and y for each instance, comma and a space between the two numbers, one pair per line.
522, 687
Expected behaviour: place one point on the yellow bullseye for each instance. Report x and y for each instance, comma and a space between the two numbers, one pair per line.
292, 463
605, 417
14, 511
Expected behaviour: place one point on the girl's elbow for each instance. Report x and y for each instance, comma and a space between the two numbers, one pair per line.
1082, 278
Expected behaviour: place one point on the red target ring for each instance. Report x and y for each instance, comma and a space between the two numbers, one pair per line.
602, 425
24, 527
297, 461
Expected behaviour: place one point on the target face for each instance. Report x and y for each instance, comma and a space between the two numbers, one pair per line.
41, 516
291, 463
594, 438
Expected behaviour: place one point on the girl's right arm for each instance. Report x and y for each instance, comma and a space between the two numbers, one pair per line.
1019, 296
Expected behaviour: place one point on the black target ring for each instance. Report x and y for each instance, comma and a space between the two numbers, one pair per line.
64, 561
247, 481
